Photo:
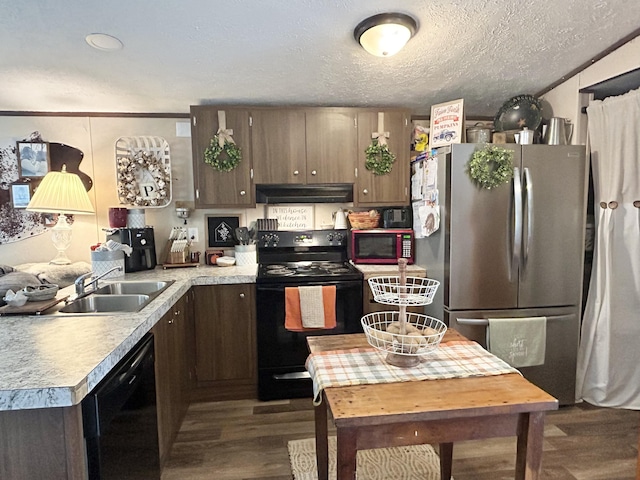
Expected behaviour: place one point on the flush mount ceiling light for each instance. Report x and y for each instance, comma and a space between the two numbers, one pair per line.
385, 34
104, 42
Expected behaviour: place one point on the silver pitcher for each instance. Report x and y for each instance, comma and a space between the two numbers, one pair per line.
558, 131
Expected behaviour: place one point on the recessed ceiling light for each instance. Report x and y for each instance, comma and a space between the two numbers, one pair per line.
104, 42
385, 34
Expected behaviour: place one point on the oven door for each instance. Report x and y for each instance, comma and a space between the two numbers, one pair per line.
282, 353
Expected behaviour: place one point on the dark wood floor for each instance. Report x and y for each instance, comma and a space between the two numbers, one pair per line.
243, 440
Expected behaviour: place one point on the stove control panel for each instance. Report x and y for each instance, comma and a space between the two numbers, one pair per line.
303, 239
269, 239
309, 238
335, 238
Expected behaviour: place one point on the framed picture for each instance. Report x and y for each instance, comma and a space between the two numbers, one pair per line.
20, 195
446, 123
221, 230
33, 159
292, 217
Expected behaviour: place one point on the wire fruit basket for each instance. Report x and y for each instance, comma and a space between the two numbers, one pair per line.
422, 334
413, 292
405, 337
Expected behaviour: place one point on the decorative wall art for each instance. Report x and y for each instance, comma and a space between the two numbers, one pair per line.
220, 230
33, 159
446, 123
15, 222
20, 194
292, 217
143, 171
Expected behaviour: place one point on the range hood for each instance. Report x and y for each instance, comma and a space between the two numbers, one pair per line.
321, 193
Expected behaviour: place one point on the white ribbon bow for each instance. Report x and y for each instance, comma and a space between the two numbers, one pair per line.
380, 135
224, 133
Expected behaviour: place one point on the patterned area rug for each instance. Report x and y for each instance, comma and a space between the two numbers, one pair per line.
397, 463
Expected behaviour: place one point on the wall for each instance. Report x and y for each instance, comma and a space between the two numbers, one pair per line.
96, 137
566, 101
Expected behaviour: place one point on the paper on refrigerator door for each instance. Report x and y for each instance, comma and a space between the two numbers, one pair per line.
426, 218
417, 180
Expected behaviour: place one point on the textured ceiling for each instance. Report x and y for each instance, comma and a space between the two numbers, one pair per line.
277, 52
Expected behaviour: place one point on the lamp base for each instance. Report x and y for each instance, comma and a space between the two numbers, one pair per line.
60, 259
61, 238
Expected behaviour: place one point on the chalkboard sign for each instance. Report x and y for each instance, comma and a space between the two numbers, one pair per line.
292, 217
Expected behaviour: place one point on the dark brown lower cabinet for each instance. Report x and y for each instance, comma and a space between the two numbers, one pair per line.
226, 366
49, 442
173, 370
42, 443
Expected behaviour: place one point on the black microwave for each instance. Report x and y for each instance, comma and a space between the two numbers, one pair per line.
383, 245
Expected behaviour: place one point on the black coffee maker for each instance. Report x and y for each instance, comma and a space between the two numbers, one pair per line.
142, 242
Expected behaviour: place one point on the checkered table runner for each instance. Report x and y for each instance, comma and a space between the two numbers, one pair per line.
361, 366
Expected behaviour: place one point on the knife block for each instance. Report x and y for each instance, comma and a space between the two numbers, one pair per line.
175, 257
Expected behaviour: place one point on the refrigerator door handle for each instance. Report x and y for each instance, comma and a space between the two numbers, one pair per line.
529, 190
472, 321
485, 321
517, 225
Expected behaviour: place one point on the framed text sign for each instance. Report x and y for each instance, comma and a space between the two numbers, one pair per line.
447, 121
292, 217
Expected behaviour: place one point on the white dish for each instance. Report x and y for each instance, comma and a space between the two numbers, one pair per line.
225, 261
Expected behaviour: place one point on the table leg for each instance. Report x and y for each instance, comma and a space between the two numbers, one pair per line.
346, 453
322, 444
446, 460
529, 450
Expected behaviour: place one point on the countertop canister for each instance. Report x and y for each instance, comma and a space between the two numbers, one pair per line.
478, 134
135, 218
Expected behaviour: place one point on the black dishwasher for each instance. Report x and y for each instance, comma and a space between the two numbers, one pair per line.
120, 420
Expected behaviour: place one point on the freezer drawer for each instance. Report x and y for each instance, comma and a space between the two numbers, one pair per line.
558, 374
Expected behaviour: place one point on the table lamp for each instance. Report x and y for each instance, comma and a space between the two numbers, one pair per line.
62, 193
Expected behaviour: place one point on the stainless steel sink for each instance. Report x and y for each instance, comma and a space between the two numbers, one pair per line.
107, 303
126, 296
135, 288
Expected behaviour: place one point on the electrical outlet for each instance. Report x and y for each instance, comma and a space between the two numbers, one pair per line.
193, 234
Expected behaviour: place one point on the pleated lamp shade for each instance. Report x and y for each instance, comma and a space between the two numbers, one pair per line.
61, 192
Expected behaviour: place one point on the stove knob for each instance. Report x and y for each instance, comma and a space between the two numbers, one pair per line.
330, 237
339, 237
275, 240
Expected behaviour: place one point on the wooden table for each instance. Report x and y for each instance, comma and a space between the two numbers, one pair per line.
430, 411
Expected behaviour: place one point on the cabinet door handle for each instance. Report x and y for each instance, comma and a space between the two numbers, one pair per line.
296, 172
170, 321
365, 191
242, 193
242, 295
176, 313
313, 172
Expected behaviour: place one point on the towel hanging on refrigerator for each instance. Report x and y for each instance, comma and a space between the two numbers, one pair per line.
521, 342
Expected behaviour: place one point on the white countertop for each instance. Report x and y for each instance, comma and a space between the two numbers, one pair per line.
54, 361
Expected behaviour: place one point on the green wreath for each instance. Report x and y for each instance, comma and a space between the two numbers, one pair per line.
378, 158
224, 163
491, 167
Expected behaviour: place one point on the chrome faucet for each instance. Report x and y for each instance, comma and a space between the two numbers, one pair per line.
80, 285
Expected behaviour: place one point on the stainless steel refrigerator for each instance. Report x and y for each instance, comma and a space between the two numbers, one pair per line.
513, 251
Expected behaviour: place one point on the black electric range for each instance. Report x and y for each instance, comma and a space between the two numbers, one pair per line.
290, 259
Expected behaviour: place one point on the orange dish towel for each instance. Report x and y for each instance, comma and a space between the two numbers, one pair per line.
293, 315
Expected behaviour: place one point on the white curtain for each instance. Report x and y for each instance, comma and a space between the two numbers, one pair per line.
609, 357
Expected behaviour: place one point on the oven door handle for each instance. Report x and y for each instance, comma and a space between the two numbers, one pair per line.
292, 376
280, 288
